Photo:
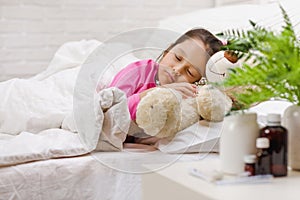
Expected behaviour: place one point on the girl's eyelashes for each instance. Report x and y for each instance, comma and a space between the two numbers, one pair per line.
178, 57
189, 73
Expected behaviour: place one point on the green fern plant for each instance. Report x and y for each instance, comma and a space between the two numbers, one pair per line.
274, 71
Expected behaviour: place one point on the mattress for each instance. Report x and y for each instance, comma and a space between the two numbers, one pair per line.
99, 175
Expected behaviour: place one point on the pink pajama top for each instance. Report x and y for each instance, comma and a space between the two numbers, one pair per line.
134, 79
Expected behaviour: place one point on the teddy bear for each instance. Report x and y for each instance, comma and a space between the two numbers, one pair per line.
163, 112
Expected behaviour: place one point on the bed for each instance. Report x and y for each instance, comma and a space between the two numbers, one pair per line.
43, 154
46, 152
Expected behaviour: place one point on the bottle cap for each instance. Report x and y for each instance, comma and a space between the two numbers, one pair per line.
274, 118
262, 143
250, 158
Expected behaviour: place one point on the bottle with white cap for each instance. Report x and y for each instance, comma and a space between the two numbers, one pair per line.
278, 137
250, 161
263, 164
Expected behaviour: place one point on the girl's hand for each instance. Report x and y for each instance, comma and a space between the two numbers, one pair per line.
186, 89
151, 140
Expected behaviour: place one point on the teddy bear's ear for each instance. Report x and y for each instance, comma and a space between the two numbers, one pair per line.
218, 66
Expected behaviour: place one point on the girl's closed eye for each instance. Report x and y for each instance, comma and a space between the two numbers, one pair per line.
189, 73
177, 57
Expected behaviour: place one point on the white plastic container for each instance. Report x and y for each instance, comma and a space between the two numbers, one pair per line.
238, 139
291, 121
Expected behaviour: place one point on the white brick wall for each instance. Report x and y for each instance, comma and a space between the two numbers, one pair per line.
32, 30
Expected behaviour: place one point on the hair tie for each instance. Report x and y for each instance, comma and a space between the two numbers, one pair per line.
224, 42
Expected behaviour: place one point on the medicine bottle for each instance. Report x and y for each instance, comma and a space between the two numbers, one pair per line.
278, 136
263, 164
250, 164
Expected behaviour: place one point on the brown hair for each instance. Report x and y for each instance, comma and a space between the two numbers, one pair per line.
211, 42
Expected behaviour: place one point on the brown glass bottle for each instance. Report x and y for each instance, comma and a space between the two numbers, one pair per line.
263, 163
278, 137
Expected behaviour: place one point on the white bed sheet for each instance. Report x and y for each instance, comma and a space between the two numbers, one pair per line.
83, 177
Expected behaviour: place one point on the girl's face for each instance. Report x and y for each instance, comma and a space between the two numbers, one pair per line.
185, 62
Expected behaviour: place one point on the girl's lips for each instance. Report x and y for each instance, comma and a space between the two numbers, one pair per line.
170, 76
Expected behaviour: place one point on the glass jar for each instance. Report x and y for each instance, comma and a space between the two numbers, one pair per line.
250, 161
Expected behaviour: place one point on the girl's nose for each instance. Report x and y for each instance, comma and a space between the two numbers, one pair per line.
177, 70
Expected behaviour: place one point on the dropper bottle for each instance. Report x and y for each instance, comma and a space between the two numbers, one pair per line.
278, 136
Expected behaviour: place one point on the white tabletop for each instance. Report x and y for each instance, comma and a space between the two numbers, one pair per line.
178, 174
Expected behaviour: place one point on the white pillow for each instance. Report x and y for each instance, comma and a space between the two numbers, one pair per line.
234, 17
272, 106
203, 136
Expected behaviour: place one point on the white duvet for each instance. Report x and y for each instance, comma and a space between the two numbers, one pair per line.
43, 101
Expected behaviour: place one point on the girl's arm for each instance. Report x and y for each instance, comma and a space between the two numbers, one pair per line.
185, 89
